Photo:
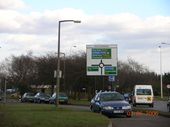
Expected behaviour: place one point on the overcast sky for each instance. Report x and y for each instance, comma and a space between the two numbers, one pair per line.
136, 26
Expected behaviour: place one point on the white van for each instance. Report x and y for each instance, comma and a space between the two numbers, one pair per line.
143, 95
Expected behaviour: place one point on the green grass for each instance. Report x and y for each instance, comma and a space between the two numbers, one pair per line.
35, 115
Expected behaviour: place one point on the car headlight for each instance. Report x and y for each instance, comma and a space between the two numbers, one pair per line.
126, 107
108, 108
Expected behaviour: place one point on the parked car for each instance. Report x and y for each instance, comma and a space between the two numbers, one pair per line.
110, 104
28, 97
63, 98
128, 97
41, 98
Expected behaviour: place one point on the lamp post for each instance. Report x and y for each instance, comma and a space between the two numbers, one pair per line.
161, 82
161, 71
64, 68
58, 59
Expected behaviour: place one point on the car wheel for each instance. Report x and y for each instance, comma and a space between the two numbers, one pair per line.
39, 101
99, 110
151, 105
35, 101
92, 109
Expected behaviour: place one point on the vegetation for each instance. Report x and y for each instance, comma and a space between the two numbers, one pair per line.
32, 115
23, 71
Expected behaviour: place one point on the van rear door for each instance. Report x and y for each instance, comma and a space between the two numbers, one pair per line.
144, 95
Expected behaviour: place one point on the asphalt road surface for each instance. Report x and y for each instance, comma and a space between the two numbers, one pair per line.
158, 105
161, 106
137, 120
141, 121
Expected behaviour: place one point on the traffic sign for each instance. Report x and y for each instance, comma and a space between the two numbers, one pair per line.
111, 78
109, 70
101, 60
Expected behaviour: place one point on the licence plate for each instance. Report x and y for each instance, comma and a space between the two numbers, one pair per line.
118, 111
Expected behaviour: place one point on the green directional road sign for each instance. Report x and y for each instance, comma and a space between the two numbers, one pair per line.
110, 70
93, 68
101, 53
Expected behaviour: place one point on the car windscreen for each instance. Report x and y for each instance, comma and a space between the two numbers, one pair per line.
111, 97
143, 91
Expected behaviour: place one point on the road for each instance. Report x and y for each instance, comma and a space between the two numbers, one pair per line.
137, 119
141, 121
161, 106
158, 105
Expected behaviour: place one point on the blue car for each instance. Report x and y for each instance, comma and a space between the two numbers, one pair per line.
110, 104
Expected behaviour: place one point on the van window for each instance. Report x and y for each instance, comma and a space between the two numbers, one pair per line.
143, 92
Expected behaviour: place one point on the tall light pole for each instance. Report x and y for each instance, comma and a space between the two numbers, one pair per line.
161, 71
64, 68
161, 82
58, 59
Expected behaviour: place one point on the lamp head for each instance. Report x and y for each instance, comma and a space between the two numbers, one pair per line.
77, 21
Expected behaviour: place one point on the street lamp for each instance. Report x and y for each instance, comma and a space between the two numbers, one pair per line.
163, 43
58, 59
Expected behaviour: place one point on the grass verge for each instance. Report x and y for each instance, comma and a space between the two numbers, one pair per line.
35, 115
